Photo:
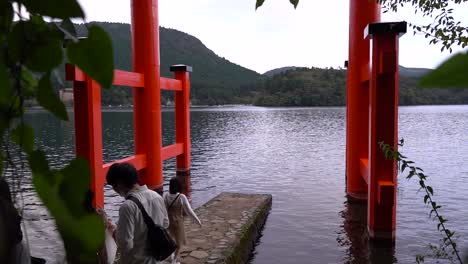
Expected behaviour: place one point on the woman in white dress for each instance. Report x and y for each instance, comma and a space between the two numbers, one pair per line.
177, 204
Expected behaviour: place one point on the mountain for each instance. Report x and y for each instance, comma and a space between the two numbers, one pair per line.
270, 73
215, 80
327, 87
404, 71
413, 72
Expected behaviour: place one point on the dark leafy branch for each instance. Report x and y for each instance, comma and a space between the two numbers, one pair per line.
445, 28
406, 165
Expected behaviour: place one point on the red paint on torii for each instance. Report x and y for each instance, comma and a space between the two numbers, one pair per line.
147, 85
372, 111
372, 115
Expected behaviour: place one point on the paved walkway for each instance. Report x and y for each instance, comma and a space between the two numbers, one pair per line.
231, 224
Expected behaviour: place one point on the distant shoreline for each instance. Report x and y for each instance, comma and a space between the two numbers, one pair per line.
127, 108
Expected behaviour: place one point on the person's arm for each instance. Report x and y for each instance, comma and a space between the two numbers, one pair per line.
164, 212
125, 231
188, 209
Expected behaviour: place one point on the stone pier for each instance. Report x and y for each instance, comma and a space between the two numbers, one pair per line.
231, 223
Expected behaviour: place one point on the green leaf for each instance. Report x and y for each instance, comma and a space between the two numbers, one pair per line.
421, 183
23, 135
294, 2
45, 55
403, 167
452, 73
35, 44
6, 15
259, 3
83, 235
68, 25
47, 98
426, 197
430, 190
28, 83
94, 56
55, 8
39, 165
76, 178
5, 85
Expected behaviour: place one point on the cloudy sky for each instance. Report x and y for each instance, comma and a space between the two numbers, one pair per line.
276, 35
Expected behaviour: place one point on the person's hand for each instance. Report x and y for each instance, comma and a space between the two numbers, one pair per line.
100, 211
110, 226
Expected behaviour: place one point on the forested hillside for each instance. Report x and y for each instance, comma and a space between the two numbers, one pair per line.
270, 73
217, 81
214, 80
327, 87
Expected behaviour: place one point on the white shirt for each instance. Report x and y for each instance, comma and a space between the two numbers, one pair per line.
131, 230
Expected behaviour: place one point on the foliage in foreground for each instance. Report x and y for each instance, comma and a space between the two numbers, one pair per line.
30, 52
448, 247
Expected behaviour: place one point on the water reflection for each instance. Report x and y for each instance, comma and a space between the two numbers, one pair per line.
297, 155
353, 236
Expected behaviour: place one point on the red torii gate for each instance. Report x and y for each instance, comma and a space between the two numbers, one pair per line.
372, 111
147, 83
372, 115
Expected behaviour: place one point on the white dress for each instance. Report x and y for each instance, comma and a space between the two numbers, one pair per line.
176, 205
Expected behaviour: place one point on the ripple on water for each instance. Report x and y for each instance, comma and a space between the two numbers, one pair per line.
296, 154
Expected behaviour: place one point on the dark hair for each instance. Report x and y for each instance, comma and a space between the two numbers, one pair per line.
124, 173
174, 186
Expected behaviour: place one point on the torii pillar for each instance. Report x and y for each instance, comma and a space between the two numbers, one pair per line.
147, 102
361, 13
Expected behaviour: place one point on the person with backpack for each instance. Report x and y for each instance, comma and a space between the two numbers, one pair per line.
142, 218
177, 205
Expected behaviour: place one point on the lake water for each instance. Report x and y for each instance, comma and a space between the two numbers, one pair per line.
298, 156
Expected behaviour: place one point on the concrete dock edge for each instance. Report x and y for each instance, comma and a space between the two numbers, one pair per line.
231, 224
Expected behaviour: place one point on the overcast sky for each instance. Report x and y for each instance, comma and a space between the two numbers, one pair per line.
276, 35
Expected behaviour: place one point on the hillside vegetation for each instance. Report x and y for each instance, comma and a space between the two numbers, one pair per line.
327, 87
216, 80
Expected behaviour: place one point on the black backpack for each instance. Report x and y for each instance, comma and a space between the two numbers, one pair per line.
160, 245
